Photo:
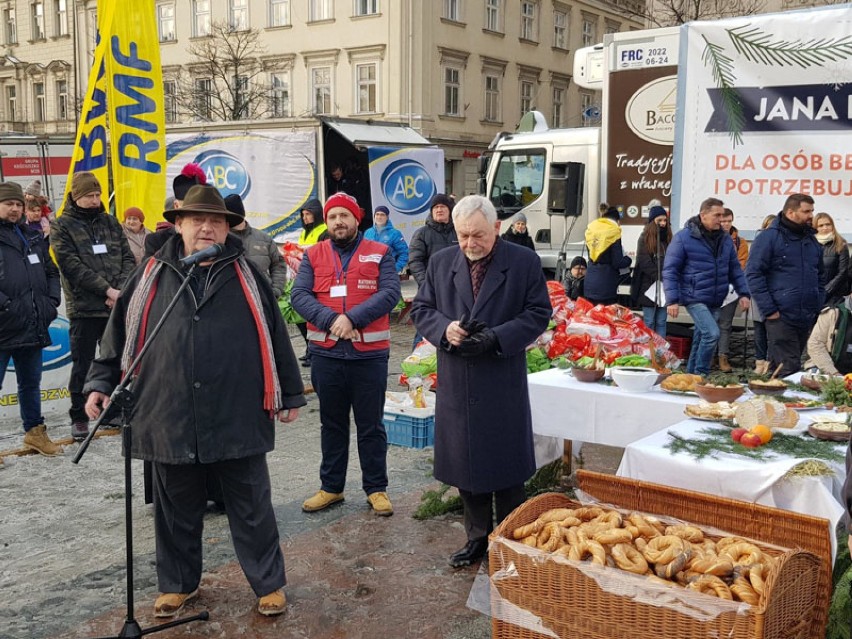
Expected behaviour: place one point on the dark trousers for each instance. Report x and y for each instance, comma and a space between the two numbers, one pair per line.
786, 345
28, 372
359, 385
480, 509
180, 499
85, 333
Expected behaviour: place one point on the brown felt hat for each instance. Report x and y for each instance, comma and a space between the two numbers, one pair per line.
203, 198
11, 191
84, 183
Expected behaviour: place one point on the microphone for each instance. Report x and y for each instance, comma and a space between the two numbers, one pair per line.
211, 252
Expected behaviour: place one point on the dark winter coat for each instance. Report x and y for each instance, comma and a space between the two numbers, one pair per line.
29, 292
835, 268
785, 274
427, 241
483, 431
521, 239
86, 276
574, 286
199, 390
645, 273
696, 272
603, 276
264, 253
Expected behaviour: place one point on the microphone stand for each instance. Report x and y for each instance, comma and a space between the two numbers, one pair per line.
122, 399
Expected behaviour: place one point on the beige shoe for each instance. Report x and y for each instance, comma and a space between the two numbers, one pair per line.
760, 366
170, 604
380, 504
724, 364
320, 501
36, 439
275, 603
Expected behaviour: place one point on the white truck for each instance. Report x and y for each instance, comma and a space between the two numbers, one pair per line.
24, 158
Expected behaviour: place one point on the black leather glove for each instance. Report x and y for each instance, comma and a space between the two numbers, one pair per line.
483, 342
471, 325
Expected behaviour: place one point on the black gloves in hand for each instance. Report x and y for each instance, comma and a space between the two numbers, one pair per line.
483, 342
471, 325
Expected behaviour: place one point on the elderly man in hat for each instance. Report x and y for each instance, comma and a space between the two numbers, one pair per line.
94, 259
205, 398
346, 288
190, 175
29, 295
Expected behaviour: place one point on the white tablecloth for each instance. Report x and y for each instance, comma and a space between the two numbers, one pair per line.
736, 477
563, 407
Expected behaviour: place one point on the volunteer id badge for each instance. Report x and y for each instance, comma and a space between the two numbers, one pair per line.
33, 258
99, 249
339, 290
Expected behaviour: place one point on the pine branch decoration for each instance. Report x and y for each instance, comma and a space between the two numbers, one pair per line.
722, 68
757, 46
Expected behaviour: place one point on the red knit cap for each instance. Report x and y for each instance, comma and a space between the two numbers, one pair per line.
134, 211
347, 202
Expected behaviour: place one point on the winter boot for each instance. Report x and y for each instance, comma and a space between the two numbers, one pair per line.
36, 439
760, 366
724, 364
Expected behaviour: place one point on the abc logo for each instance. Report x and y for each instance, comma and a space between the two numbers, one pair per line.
225, 172
57, 354
407, 186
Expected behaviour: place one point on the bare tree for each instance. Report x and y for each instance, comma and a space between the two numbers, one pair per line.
666, 13
226, 79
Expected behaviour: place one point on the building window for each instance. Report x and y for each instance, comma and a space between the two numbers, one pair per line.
452, 10
200, 18
560, 29
61, 99
240, 84
10, 27
526, 96
320, 10
61, 13
38, 101
204, 98
11, 103
279, 13
166, 22
279, 95
452, 91
492, 98
170, 100
321, 90
611, 28
494, 15
366, 7
589, 32
586, 103
37, 25
367, 94
558, 105
239, 15
529, 21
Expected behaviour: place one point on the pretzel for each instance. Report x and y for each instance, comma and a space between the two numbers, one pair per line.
676, 565
587, 513
628, 558
755, 577
613, 536
641, 543
711, 585
525, 531
743, 553
531, 540
657, 580
590, 547
712, 565
662, 550
689, 533
550, 537
555, 514
724, 542
612, 517
592, 528
643, 525
743, 591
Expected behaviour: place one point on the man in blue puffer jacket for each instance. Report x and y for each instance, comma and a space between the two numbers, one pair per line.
384, 232
785, 275
701, 264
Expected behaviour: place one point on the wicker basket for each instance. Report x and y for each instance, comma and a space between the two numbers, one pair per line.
559, 599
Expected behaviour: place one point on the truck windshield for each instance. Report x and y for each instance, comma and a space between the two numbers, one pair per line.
518, 180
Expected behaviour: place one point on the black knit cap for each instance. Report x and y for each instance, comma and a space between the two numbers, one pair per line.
442, 198
234, 203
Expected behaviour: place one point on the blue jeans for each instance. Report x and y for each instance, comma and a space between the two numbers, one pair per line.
28, 371
760, 341
705, 336
655, 319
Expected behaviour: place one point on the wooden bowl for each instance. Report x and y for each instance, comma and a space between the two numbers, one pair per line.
762, 389
715, 394
587, 374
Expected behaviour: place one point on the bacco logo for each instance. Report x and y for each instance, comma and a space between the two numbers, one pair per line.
407, 186
650, 113
225, 172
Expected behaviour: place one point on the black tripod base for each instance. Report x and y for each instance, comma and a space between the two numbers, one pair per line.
132, 629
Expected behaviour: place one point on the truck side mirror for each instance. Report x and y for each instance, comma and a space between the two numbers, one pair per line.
565, 189
482, 165
481, 185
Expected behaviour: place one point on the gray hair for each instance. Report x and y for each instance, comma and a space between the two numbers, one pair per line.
469, 205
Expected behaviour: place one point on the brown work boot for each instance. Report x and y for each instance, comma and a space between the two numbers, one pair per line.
321, 500
724, 364
380, 504
170, 604
36, 439
275, 603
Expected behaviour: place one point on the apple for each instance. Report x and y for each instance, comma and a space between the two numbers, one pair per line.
751, 440
737, 434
